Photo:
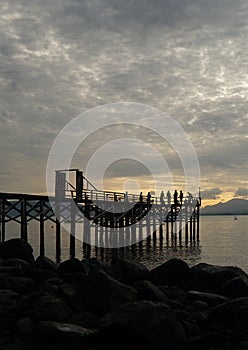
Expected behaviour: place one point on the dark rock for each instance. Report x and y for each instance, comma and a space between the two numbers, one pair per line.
17, 284
150, 325
232, 315
199, 305
42, 262
17, 248
26, 326
242, 346
71, 296
9, 301
148, 291
8, 324
102, 293
64, 335
12, 270
54, 281
51, 286
172, 272
209, 278
40, 275
48, 308
31, 298
94, 264
211, 340
12, 343
5, 282
235, 287
22, 285
210, 298
70, 266
20, 264
174, 293
72, 277
86, 319
128, 272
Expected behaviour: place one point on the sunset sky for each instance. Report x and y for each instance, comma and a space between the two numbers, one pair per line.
188, 58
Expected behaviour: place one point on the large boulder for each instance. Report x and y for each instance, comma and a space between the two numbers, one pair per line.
174, 272
128, 272
210, 278
71, 266
63, 336
230, 312
209, 298
17, 248
102, 293
17, 284
41, 275
43, 262
10, 301
49, 308
148, 291
146, 324
19, 264
231, 316
71, 296
235, 287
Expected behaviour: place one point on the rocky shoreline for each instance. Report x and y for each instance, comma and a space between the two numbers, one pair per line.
120, 305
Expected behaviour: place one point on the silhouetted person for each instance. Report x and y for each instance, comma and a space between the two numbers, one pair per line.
162, 197
115, 197
149, 198
175, 197
181, 197
141, 197
190, 195
168, 195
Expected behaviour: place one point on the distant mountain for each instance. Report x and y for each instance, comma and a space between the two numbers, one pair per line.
234, 207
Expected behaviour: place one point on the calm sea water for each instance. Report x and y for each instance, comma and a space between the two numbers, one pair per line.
223, 241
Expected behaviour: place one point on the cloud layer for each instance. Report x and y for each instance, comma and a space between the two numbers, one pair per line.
187, 58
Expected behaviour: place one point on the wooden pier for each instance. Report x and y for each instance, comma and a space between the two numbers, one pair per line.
114, 217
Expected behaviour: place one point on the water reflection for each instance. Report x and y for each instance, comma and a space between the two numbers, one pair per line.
150, 252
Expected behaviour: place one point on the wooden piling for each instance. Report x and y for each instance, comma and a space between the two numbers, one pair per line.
24, 233
2, 211
198, 222
73, 232
42, 229
58, 240
194, 216
186, 222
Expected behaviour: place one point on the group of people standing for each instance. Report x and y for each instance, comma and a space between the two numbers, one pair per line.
177, 200
148, 198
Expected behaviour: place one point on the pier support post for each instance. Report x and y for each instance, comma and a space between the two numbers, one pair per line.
73, 232
172, 223
186, 223
2, 215
42, 229
58, 232
198, 222
194, 216
24, 233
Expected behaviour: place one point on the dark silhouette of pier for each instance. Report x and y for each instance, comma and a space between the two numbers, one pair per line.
118, 219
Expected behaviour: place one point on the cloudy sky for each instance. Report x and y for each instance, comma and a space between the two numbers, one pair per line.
187, 58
